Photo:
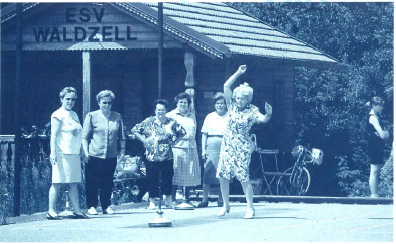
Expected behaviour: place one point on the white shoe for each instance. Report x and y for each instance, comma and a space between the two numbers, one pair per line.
250, 213
92, 211
151, 206
109, 210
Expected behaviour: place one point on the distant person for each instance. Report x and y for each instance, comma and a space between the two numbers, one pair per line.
213, 130
376, 143
158, 134
187, 171
236, 151
103, 140
65, 159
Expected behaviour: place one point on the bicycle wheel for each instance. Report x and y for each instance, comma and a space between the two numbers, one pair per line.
298, 187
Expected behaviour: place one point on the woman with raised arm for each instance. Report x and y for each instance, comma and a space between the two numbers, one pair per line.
376, 143
235, 148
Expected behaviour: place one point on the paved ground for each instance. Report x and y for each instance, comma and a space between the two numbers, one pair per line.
274, 222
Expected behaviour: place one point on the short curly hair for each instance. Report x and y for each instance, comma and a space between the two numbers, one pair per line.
103, 94
245, 90
162, 102
218, 96
66, 90
182, 96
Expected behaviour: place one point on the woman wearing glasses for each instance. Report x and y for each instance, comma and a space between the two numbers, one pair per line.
103, 140
65, 153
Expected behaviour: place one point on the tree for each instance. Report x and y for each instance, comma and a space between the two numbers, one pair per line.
330, 105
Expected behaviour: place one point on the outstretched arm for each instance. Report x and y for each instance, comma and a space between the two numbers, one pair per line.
268, 113
230, 82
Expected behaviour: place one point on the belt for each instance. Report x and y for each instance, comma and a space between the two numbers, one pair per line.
216, 136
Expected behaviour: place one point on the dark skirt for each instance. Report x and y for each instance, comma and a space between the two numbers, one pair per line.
376, 152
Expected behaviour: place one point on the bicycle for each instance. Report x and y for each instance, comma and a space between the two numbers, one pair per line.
296, 180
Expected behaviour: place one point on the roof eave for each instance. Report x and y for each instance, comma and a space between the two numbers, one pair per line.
297, 62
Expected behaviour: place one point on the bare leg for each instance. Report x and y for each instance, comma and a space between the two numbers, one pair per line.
52, 198
73, 196
174, 190
187, 193
225, 192
374, 175
220, 200
206, 188
248, 190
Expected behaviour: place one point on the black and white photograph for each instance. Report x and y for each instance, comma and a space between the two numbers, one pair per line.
197, 121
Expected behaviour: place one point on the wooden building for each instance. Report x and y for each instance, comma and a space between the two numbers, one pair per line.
98, 46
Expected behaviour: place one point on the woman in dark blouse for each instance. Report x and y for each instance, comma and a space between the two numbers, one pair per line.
376, 143
103, 140
158, 134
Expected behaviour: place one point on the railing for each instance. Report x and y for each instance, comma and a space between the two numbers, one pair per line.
7, 156
35, 178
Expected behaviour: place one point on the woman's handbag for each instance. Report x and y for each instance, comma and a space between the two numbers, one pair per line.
252, 143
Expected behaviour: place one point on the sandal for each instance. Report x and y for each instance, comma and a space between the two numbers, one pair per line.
80, 216
50, 217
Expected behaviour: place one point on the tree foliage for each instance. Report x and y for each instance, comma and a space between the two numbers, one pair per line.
330, 105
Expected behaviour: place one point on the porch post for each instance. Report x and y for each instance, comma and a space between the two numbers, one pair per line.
190, 82
86, 83
160, 47
17, 123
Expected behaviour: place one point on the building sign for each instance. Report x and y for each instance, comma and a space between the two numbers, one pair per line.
81, 26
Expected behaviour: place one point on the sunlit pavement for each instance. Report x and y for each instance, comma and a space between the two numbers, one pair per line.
291, 222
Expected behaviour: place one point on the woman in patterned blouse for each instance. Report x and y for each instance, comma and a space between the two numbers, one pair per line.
158, 135
235, 148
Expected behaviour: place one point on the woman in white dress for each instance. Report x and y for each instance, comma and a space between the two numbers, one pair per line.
65, 153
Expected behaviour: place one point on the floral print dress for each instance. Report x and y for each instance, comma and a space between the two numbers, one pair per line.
234, 154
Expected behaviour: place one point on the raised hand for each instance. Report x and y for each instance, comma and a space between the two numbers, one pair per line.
268, 109
242, 69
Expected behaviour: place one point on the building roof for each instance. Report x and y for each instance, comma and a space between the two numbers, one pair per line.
243, 34
220, 30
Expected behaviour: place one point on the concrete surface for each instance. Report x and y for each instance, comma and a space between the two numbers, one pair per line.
274, 222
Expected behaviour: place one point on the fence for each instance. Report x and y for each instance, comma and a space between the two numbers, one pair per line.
7, 156
35, 175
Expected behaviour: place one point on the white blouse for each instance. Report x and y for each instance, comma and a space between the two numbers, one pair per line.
68, 142
215, 124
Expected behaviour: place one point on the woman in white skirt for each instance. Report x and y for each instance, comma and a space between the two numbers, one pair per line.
213, 130
187, 171
65, 153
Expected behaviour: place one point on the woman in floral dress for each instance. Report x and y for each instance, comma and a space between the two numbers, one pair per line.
235, 149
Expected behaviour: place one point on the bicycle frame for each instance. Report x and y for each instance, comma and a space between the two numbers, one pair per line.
299, 165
